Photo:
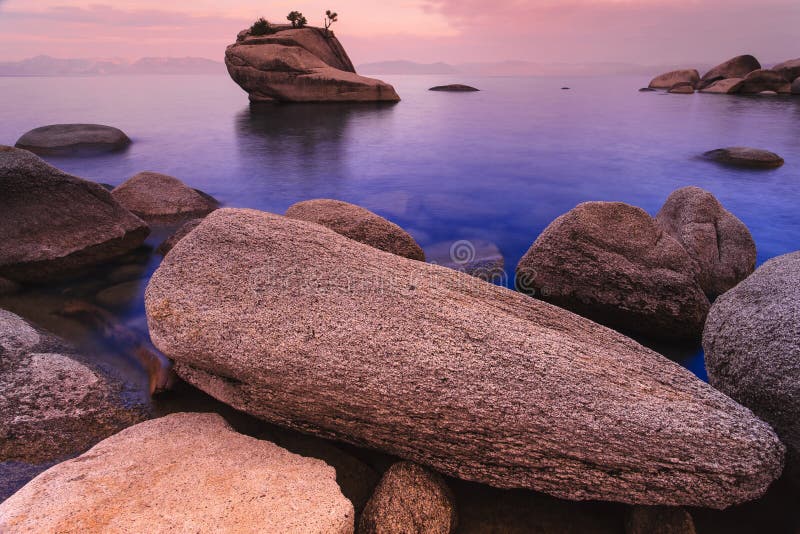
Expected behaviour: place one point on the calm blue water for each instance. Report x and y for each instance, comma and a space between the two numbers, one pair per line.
497, 165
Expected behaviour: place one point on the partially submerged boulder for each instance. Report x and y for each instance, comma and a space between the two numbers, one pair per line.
266, 313
179, 234
683, 88
612, 263
359, 224
183, 472
762, 80
70, 139
718, 242
410, 498
752, 347
454, 88
300, 65
742, 156
53, 225
727, 86
152, 195
670, 79
788, 69
737, 67
54, 402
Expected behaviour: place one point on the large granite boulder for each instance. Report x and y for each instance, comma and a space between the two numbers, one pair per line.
70, 139
53, 225
718, 242
728, 86
297, 325
182, 473
611, 262
762, 80
300, 65
747, 157
410, 498
54, 402
788, 69
154, 196
737, 67
358, 223
752, 346
670, 79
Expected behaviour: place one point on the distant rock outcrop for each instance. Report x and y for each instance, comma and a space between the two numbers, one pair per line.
454, 88
670, 79
726, 86
762, 80
72, 139
741, 156
789, 69
737, 67
300, 65
683, 88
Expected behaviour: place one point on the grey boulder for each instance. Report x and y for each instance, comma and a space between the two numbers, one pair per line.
72, 139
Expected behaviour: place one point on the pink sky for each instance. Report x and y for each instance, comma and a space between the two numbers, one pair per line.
577, 31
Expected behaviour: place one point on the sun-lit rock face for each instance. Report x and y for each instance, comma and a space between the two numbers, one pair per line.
300, 65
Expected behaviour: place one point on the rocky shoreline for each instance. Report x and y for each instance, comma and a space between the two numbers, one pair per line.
432, 385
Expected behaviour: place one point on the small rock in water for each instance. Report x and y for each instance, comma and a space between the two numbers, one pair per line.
73, 139
745, 157
670, 79
475, 257
183, 472
125, 295
151, 195
565, 88
454, 88
647, 90
683, 88
409, 494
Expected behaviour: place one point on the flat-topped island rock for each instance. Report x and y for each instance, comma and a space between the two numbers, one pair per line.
454, 88
440, 368
72, 139
742, 156
300, 65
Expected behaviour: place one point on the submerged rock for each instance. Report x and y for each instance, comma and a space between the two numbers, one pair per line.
183, 472
53, 225
68, 139
612, 263
740, 156
410, 498
475, 257
359, 224
737, 67
670, 79
8, 287
182, 232
151, 195
268, 313
300, 65
658, 520
54, 403
718, 242
789, 69
764, 80
752, 349
454, 88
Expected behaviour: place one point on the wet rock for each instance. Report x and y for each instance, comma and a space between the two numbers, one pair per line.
727, 86
182, 232
53, 225
752, 350
683, 88
265, 312
151, 195
73, 139
183, 472
454, 88
658, 520
718, 242
612, 263
54, 402
475, 257
647, 90
739, 156
410, 498
126, 273
8, 287
737, 67
764, 80
359, 224
670, 79
788, 69
300, 65
124, 295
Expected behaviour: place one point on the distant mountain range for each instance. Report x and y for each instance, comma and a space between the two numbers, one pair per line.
50, 66
513, 68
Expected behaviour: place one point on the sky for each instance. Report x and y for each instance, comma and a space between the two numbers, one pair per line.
646, 32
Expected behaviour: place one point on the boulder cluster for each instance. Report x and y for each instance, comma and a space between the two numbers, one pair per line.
739, 75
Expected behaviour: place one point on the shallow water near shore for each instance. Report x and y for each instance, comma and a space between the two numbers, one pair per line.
498, 165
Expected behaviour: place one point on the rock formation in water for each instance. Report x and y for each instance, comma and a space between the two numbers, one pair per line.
737, 67
54, 402
153, 196
295, 324
300, 65
752, 346
759, 81
69, 139
183, 472
742, 156
53, 225
670, 79
358, 223
718, 242
454, 88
